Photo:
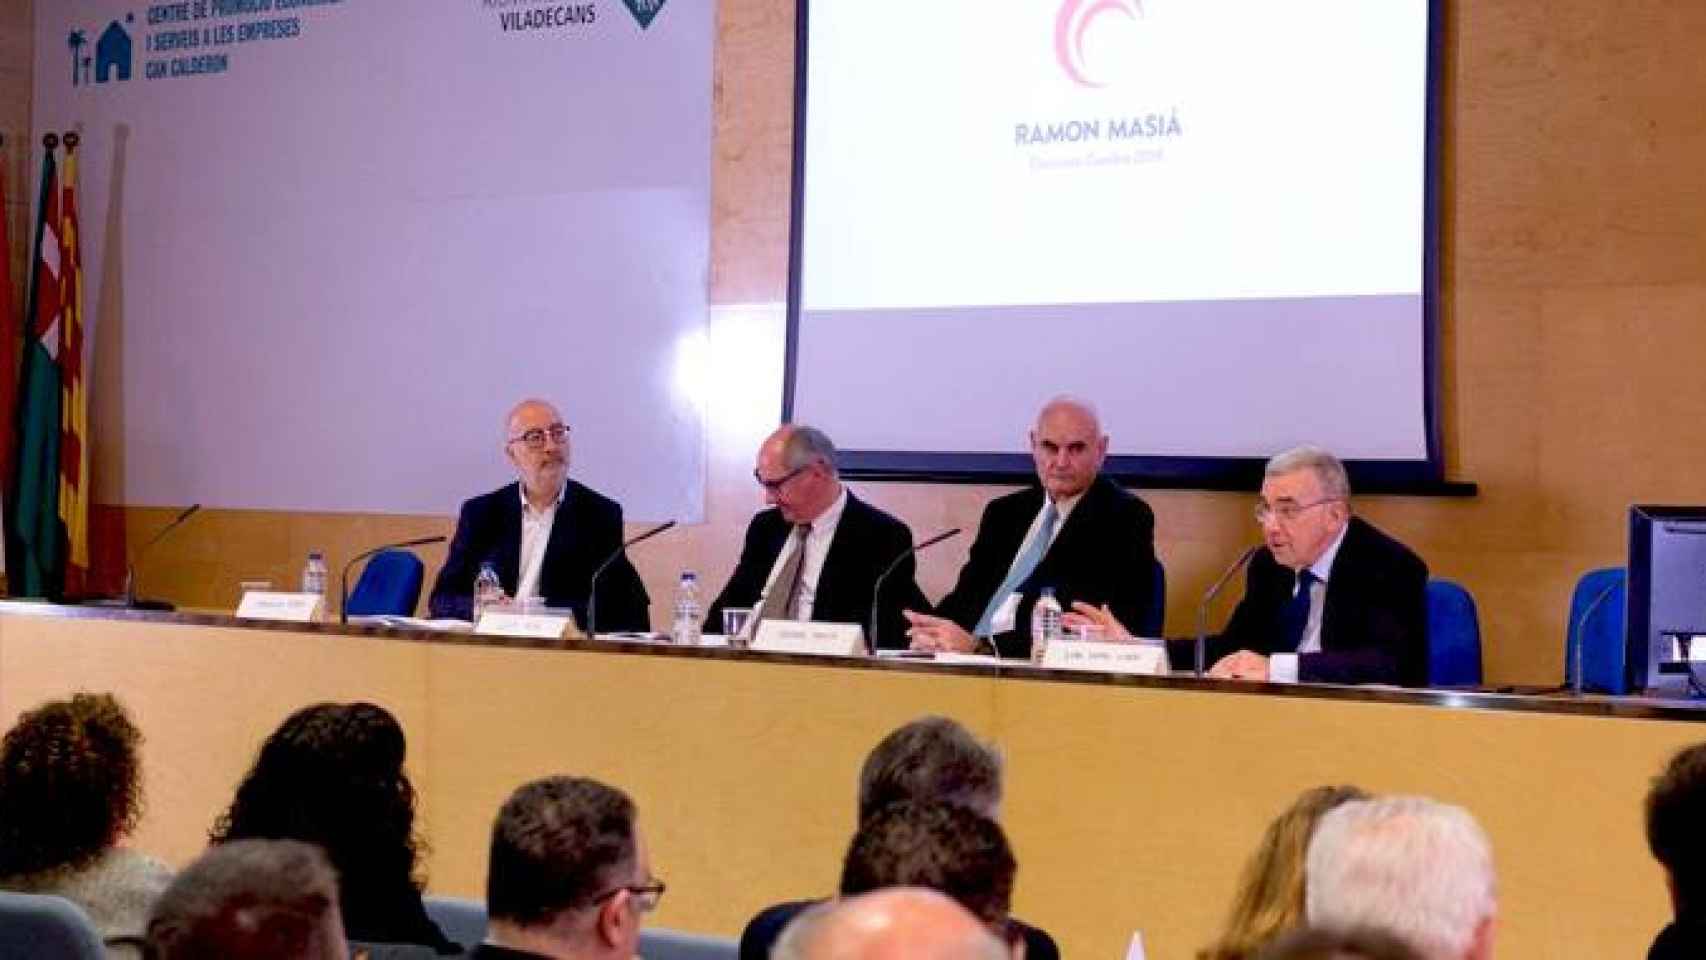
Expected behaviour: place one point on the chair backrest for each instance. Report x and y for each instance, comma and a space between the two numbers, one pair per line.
361, 950
41, 927
1454, 636
460, 919
660, 944
1604, 655
390, 584
1155, 618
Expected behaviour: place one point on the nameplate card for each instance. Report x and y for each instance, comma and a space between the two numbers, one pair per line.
545, 625
1142, 659
820, 639
275, 605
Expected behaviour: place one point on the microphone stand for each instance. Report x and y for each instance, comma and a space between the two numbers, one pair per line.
877, 588
1208, 598
592, 592
1581, 632
343, 578
127, 600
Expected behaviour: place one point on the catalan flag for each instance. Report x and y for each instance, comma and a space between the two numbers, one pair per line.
73, 403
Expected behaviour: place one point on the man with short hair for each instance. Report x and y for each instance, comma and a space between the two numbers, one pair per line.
1676, 809
897, 924
940, 846
544, 535
1075, 531
569, 877
931, 759
260, 899
1415, 868
817, 551
1328, 598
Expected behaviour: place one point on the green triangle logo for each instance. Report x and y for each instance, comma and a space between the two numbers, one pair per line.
644, 11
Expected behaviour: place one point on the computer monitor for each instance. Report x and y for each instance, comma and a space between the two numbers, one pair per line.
1666, 625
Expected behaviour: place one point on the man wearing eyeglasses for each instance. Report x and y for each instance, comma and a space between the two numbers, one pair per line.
818, 550
569, 876
1328, 598
1076, 531
544, 534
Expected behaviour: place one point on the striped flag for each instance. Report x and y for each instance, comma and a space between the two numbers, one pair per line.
74, 404
8, 354
35, 568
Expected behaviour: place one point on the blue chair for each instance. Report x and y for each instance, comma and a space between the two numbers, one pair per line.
39, 927
1156, 616
660, 944
1454, 636
1604, 655
390, 585
460, 919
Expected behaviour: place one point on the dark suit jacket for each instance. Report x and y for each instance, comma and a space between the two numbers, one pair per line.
1374, 620
866, 541
762, 932
588, 528
1105, 553
1683, 939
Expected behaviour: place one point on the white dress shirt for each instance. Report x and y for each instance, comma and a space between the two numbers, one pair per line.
1282, 667
817, 548
535, 534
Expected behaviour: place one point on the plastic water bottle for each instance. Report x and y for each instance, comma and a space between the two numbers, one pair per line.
488, 590
685, 632
314, 579
1045, 624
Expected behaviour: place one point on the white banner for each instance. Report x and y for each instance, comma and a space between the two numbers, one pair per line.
330, 242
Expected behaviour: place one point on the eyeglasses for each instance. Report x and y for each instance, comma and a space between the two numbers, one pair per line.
535, 438
775, 486
646, 896
1287, 511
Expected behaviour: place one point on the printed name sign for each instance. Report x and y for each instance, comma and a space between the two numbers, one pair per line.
820, 639
1143, 659
274, 605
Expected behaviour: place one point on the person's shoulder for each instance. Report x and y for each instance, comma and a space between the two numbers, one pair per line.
861, 511
1038, 944
766, 926
1024, 501
1117, 496
587, 499
493, 499
1368, 539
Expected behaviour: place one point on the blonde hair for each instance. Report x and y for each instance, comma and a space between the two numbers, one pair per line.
1270, 894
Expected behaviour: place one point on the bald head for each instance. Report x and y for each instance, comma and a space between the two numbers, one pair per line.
796, 467
537, 443
1069, 446
901, 923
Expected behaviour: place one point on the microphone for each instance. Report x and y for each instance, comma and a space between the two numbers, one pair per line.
343, 578
1581, 630
127, 600
877, 588
1208, 598
592, 592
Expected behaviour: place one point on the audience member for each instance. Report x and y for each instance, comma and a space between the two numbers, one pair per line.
939, 846
250, 900
70, 792
1676, 812
1310, 944
897, 924
1270, 892
929, 759
569, 877
332, 774
1412, 867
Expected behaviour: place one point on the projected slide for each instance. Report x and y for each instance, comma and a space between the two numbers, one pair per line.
1208, 216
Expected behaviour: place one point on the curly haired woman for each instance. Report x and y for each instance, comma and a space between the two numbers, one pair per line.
332, 774
70, 791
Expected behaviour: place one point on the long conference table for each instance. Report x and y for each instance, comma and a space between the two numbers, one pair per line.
1131, 802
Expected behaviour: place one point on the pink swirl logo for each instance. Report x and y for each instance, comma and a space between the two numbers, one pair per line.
1074, 21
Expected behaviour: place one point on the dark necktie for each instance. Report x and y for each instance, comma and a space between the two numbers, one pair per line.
1294, 616
779, 602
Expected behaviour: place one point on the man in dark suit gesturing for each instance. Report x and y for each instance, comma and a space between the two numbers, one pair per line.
1329, 598
1076, 531
816, 553
544, 534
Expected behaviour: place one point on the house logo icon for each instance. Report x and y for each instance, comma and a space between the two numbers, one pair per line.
112, 58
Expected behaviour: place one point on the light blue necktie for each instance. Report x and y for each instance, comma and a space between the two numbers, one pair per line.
1027, 562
